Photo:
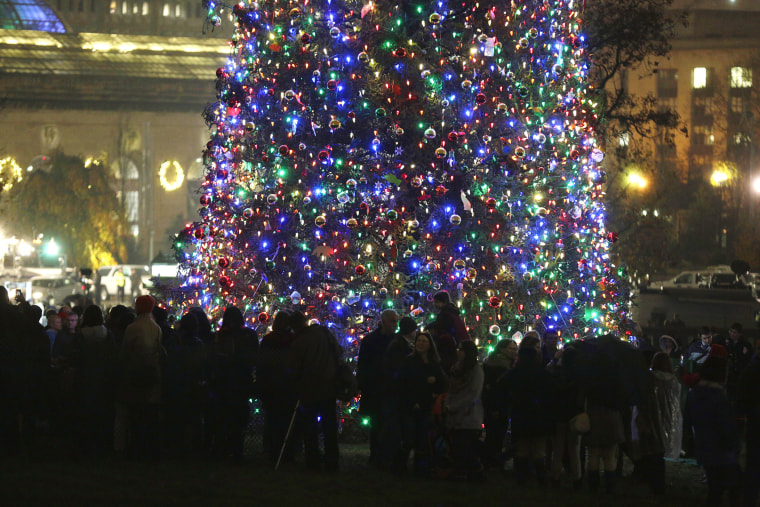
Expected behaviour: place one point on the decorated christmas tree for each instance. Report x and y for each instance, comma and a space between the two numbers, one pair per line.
366, 155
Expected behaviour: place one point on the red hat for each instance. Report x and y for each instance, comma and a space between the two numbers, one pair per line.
718, 351
144, 304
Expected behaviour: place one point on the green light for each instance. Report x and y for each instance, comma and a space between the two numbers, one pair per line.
365, 421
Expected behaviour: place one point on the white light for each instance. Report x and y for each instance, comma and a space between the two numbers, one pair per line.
756, 185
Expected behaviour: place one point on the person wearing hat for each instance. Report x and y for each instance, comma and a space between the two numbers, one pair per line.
669, 346
140, 362
699, 349
394, 450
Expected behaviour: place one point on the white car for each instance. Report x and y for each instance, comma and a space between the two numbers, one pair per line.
686, 280
109, 287
53, 290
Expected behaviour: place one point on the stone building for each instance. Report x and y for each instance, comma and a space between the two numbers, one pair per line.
123, 81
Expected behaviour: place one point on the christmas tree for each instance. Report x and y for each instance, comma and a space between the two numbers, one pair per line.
365, 155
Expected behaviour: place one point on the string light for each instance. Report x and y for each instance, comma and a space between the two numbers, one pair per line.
364, 157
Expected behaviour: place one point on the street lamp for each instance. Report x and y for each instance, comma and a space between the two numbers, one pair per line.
719, 177
637, 180
756, 185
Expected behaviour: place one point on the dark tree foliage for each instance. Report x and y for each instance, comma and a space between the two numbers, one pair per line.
627, 37
73, 204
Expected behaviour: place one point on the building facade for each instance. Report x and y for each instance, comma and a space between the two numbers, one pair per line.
124, 82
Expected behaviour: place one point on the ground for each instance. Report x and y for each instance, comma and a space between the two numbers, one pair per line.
51, 479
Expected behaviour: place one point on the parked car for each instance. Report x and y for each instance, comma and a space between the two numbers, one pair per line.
685, 280
134, 274
725, 281
53, 290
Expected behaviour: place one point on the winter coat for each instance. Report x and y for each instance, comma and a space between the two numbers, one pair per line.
448, 330
398, 350
272, 380
710, 416
464, 408
494, 367
656, 423
94, 356
528, 390
312, 363
369, 369
232, 362
140, 362
417, 392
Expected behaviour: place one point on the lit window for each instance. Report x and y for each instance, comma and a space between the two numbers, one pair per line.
177, 11
700, 77
132, 205
124, 8
167, 10
112, 7
135, 230
145, 8
741, 77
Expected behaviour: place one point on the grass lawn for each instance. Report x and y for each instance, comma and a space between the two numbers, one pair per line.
62, 480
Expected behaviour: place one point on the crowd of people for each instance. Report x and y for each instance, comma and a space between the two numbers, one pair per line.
130, 383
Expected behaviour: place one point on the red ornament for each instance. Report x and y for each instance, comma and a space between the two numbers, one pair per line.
205, 200
360, 270
332, 85
490, 203
494, 301
225, 281
263, 317
351, 115
223, 262
612, 237
322, 155
480, 98
199, 233
453, 136
305, 38
400, 52
364, 208
283, 149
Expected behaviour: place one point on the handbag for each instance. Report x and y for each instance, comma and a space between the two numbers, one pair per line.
581, 423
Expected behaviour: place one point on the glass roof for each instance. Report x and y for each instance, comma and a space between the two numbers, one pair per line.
29, 15
103, 54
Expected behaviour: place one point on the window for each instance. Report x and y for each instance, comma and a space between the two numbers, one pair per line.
667, 83
132, 205
699, 79
124, 8
741, 77
112, 7
685, 278
703, 135
177, 11
145, 8
703, 106
167, 11
741, 139
666, 104
136, 8
737, 104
